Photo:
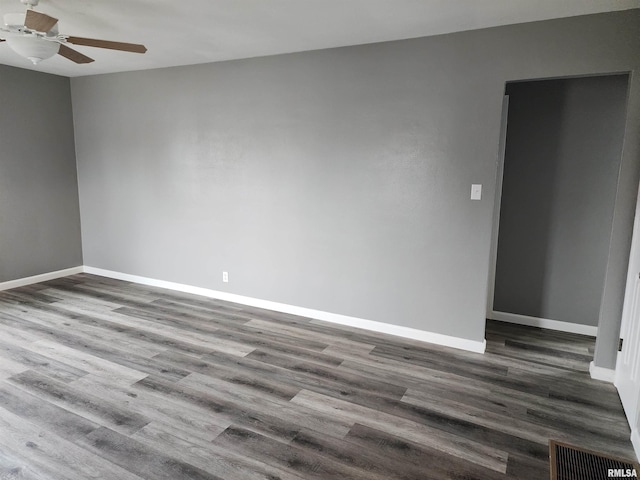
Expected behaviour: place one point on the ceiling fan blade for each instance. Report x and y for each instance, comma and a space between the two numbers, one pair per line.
92, 42
39, 21
74, 55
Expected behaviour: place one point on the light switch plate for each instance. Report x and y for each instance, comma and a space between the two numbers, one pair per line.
476, 191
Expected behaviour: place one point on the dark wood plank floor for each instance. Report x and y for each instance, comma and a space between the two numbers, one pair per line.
102, 379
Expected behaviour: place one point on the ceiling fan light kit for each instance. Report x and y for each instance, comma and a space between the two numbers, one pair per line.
35, 36
33, 48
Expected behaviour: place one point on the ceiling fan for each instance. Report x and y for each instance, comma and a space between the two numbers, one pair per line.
35, 36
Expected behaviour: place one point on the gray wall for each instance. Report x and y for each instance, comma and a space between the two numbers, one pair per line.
39, 213
337, 180
562, 158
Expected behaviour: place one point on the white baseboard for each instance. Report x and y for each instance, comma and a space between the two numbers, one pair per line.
545, 323
635, 441
406, 332
21, 282
600, 373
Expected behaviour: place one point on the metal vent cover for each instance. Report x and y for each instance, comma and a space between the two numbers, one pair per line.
573, 463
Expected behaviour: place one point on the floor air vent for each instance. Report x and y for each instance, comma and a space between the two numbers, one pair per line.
573, 463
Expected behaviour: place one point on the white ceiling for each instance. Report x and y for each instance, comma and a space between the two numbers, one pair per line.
183, 32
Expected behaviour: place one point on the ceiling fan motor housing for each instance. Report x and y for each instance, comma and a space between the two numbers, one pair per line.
30, 3
15, 20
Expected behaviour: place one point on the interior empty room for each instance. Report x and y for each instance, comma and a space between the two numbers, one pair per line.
319, 240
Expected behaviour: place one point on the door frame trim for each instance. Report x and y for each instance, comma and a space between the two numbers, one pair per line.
493, 255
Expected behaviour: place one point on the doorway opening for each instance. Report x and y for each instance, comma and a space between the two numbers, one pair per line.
562, 145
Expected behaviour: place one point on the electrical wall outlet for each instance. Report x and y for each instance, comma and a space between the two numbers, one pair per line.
225, 277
